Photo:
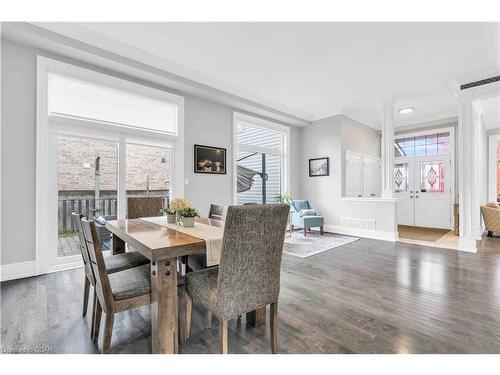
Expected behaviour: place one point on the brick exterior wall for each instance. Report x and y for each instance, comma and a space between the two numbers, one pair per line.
146, 166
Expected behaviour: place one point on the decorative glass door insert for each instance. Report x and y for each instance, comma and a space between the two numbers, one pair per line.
401, 178
432, 177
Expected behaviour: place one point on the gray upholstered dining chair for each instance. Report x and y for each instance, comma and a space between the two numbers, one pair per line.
114, 263
116, 292
248, 275
119, 291
216, 212
144, 207
197, 262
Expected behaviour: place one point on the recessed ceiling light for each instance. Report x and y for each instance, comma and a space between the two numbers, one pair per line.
406, 110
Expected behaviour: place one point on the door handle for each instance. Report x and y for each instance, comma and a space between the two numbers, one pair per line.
411, 196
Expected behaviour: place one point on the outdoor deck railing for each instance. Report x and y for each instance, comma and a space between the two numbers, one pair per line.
87, 206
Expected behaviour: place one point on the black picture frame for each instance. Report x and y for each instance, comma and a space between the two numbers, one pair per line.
316, 168
207, 157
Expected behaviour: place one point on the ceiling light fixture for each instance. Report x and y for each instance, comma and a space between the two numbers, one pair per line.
406, 110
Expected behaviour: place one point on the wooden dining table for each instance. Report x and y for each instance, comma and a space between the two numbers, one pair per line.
163, 246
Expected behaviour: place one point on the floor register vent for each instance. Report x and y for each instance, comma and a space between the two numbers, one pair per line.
358, 223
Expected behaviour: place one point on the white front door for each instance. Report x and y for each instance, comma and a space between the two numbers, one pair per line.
404, 191
432, 192
422, 185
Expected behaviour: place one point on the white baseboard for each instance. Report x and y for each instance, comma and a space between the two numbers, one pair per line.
17, 270
367, 233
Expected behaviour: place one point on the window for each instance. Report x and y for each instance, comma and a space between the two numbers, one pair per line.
401, 178
260, 160
87, 100
432, 177
423, 145
114, 139
147, 172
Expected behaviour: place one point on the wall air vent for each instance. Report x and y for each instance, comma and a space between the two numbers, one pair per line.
479, 83
358, 223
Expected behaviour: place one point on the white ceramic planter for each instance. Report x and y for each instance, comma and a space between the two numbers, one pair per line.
188, 221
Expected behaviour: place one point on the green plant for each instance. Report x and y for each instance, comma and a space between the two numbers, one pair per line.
189, 212
285, 198
167, 211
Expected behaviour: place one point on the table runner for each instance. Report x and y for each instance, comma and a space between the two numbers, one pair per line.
212, 236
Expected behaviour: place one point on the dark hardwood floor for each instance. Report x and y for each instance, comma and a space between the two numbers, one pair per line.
365, 297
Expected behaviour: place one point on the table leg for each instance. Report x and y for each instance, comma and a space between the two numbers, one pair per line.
257, 317
164, 306
117, 245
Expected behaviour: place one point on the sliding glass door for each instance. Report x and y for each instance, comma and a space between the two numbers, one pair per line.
87, 181
147, 172
100, 140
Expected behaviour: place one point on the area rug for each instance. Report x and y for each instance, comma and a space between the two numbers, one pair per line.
421, 234
314, 243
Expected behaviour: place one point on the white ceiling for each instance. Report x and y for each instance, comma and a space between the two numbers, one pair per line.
490, 109
315, 70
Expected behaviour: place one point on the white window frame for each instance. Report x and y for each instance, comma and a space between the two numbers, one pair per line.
46, 154
492, 167
284, 153
450, 130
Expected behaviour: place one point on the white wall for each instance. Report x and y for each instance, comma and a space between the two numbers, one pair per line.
324, 138
205, 123
360, 138
18, 154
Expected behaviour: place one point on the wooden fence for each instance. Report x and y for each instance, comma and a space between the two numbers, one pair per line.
85, 206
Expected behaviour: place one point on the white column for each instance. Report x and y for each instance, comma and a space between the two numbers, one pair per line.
468, 172
387, 150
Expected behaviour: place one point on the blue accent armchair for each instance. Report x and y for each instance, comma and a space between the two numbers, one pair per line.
306, 222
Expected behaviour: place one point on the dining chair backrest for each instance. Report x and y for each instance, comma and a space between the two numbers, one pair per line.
103, 287
250, 262
77, 224
144, 207
216, 212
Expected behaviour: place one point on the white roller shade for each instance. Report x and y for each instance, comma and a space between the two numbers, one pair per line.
79, 99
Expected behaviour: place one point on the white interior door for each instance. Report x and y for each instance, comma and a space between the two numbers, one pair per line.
432, 192
371, 177
353, 173
404, 191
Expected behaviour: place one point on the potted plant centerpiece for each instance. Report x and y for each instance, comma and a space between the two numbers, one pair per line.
188, 215
176, 206
170, 214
